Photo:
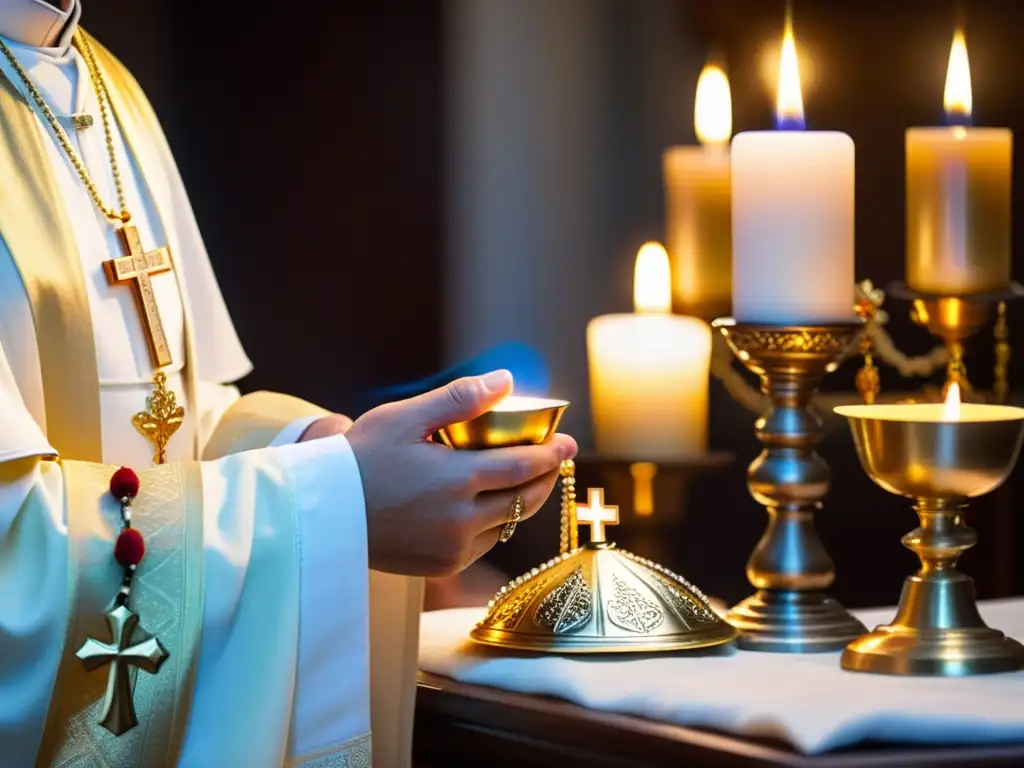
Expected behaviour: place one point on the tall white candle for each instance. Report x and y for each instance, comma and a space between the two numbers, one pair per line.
792, 215
698, 204
958, 196
649, 372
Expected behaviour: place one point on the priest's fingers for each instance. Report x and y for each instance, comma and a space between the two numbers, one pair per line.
505, 468
485, 542
460, 400
494, 508
498, 505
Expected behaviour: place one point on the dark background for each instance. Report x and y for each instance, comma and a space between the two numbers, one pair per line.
315, 138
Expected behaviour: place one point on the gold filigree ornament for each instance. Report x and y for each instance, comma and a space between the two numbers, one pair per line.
161, 418
868, 307
597, 598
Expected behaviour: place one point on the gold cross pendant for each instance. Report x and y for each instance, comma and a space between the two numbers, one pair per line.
135, 267
147, 654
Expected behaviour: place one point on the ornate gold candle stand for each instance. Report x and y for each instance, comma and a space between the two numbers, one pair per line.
954, 320
597, 598
790, 567
940, 460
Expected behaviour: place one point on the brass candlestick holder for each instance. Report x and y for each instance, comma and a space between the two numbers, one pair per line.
954, 320
790, 567
940, 459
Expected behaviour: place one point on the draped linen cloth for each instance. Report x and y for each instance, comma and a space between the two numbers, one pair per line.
807, 700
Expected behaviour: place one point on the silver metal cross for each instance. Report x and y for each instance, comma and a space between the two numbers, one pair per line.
118, 707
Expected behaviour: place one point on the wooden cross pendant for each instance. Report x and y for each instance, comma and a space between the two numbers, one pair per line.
118, 707
597, 515
137, 266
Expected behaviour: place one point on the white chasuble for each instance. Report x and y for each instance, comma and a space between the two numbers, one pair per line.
255, 577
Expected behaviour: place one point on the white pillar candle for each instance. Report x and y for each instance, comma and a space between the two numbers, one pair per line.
792, 216
649, 372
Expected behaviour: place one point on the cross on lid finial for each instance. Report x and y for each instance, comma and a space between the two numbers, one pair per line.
597, 515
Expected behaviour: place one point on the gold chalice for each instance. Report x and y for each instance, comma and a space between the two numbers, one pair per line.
940, 455
515, 420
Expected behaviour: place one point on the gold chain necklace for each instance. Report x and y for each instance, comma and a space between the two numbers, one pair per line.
102, 96
163, 416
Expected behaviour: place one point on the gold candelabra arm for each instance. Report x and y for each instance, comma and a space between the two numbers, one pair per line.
956, 370
723, 369
868, 380
879, 344
1001, 386
569, 537
955, 319
920, 366
868, 307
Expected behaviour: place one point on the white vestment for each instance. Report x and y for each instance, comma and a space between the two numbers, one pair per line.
288, 686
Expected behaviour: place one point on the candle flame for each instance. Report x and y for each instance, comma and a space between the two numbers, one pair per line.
652, 280
957, 99
712, 106
951, 409
789, 102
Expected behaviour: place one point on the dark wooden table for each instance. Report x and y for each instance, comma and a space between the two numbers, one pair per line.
463, 725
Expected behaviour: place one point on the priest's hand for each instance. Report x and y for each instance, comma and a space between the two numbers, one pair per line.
431, 510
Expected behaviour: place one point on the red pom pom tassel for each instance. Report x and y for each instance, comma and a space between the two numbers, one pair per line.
130, 547
124, 483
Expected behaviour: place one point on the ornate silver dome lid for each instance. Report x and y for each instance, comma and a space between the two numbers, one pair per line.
599, 599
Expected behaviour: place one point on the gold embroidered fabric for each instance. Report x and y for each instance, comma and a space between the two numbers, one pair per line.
167, 594
41, 241
40, 238
354, 753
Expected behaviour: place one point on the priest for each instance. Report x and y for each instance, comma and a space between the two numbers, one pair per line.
185, 573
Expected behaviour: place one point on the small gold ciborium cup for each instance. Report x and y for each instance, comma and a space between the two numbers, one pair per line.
790, 568
515, 420
939, 455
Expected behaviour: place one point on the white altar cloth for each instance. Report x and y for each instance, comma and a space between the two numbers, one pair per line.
807, 700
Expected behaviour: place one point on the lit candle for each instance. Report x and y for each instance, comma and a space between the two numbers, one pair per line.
952, 459
649, 372
792, 215
698, 198
958, 196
